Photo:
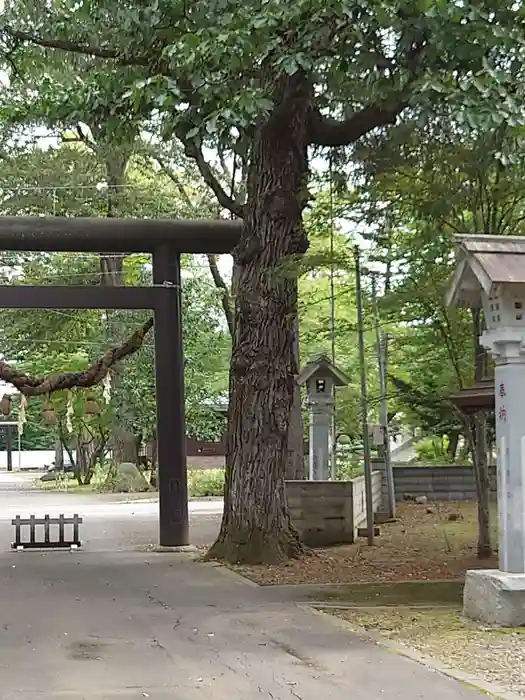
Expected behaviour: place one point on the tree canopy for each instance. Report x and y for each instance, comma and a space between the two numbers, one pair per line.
250, 94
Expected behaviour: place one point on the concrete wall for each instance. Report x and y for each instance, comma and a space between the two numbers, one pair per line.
359, 497
29, 459
329, 512
439, 483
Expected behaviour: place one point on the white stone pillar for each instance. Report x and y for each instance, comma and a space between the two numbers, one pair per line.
320, 429
497, 596
509, 388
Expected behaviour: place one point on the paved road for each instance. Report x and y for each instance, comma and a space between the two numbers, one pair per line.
131, 624
128, 626
110, 522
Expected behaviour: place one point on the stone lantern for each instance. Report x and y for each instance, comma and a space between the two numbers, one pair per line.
490, 274
320, 376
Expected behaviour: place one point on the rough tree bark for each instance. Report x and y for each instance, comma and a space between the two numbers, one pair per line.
256, 525
59, 454
453, 444
112, 274
295, 468
89, 451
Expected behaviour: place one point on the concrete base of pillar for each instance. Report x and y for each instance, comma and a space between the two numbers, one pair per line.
190, 550
495, 597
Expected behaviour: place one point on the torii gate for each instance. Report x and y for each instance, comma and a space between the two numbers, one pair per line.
166, 239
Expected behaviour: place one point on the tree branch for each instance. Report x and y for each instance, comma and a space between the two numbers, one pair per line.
36, 386
332, 132
221, 284
168, 171
74, 47
195, 152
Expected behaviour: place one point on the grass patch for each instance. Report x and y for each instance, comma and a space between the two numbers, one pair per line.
67, 483
495, 654
401, 593
202, 483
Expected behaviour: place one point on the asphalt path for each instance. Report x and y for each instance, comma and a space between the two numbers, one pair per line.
109, 521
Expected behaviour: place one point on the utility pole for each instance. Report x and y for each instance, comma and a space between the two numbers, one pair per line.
381, 343
333, 446
364, 403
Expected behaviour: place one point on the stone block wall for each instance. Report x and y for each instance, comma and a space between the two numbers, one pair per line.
439, 483
329, 512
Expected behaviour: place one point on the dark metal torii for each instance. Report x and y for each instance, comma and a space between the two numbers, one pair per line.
166, 239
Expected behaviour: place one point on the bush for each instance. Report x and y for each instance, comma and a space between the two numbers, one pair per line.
205, 482
432, 450
349, 468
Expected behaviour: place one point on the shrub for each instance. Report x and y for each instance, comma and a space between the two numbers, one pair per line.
349, 468
432, 450
205, 482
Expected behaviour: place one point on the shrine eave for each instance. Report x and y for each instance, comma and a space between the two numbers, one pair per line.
479, 397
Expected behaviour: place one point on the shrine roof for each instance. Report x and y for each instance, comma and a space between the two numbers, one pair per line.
483, 262
475, 398
322, 367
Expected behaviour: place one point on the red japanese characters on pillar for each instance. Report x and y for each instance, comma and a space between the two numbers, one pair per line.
502, 414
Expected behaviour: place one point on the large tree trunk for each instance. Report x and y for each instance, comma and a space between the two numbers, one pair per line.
59, 454
295, 467
112, 274
453, 444
482, 486
256, 525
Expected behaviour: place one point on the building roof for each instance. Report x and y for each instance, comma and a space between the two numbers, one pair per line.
483, 263
475, 398
322, 367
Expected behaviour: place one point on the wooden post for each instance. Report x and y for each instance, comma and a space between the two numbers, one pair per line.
32, 529
61, 529
169, 371
9, 447
47, 538
17, 522
76, 521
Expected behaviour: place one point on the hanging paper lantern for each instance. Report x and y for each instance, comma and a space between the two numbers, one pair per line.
5, 405
91, 408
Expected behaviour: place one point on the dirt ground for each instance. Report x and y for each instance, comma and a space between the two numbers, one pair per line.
424, 544
497, 655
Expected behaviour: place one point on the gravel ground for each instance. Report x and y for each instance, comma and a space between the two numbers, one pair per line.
497, 655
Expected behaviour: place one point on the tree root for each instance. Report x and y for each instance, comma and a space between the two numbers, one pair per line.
58, 381
258, 548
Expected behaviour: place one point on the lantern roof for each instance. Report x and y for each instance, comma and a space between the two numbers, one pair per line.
321, 367
484, 262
